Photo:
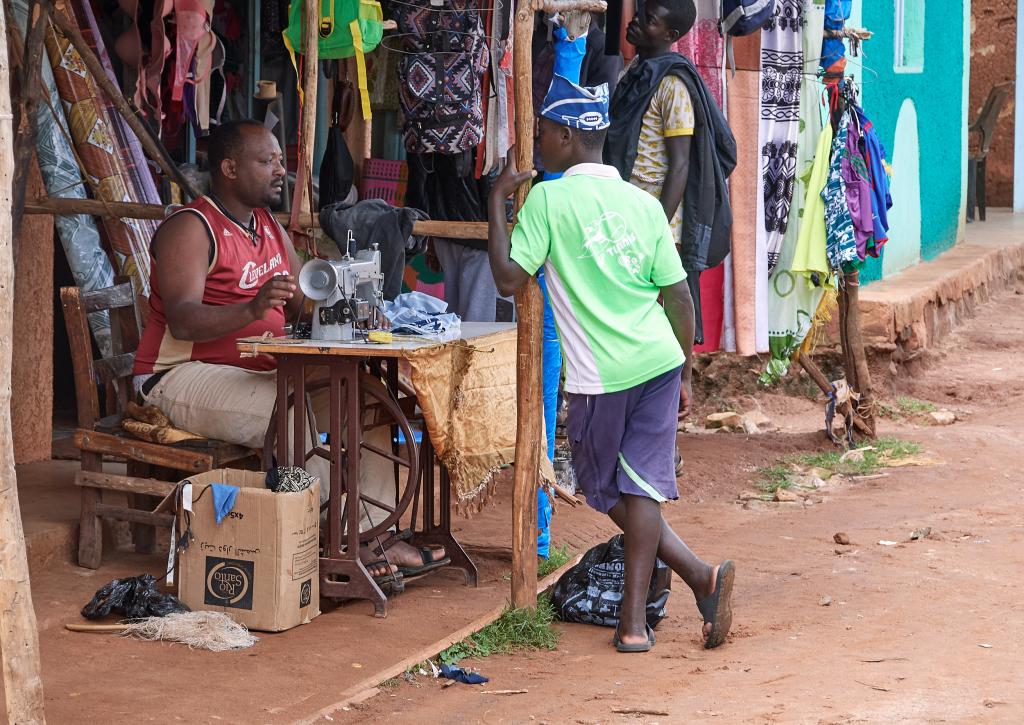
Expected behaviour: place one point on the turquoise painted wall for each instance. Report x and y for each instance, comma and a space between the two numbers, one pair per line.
936, 109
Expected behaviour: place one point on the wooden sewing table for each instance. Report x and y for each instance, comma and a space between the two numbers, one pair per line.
370, 372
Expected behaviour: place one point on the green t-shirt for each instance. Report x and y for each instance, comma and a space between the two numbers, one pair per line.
607, 250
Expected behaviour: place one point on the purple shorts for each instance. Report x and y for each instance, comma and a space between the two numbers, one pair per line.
624, 443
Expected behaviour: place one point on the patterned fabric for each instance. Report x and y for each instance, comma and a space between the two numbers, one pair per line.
840, 241
78, 233
782, 59
792, 302
670, 114
444, 55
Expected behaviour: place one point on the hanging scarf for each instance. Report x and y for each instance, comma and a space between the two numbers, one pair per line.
840, 241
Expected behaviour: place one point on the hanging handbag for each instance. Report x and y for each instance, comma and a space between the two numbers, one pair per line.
337, 170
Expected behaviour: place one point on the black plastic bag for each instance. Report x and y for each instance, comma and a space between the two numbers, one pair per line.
132, 598
591, 592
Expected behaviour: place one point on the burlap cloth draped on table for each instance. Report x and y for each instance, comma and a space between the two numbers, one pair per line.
467, 392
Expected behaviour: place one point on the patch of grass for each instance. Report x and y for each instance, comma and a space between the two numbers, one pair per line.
785, 473
885, 449
514, 631
915, 406
390, 684
775, 477
558, 556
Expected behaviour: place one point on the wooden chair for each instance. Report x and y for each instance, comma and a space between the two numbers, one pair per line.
98, 437
985, 128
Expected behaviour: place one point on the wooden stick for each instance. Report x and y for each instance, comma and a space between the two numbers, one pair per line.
307, 134
568, 6
29, 87
528, 359
855, 343
132, 116
815, 373
61, 206
19, 636
116, 628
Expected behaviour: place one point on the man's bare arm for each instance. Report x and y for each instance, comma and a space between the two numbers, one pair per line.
181, 249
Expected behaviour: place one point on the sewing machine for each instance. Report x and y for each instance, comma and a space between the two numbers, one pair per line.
348, 294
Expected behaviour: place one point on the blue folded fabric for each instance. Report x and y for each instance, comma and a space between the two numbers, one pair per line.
223, 499
460, 675
416, 313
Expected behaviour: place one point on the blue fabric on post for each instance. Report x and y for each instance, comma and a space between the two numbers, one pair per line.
223, 499
568, 104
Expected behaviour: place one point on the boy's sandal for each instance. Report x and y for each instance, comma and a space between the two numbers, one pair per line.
642, 647
716, 608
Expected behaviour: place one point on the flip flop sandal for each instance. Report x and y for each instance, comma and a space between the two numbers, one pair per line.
427, 564
645, 647
716, 608
393, 583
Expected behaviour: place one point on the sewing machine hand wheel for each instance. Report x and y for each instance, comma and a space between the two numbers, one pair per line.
379, 410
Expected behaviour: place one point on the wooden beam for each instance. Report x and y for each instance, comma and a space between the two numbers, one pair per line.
60, 206
127, 484
301, 202
19, 634
132, 116
529, 411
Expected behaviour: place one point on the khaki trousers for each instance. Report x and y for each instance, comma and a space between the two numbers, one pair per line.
235, 405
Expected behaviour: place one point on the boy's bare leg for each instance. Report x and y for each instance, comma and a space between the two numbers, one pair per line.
642, 520
698, 575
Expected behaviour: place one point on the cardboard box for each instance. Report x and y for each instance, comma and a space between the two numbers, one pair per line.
261, 564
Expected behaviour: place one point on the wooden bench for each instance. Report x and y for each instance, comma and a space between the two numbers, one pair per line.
152, 469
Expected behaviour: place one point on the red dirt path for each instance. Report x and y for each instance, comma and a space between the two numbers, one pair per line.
926, 631
899, 641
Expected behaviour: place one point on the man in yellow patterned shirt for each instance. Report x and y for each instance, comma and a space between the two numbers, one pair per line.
663, 148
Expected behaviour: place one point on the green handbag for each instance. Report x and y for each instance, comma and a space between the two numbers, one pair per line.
347, 28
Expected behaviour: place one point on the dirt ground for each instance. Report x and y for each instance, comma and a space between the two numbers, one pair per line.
922, 631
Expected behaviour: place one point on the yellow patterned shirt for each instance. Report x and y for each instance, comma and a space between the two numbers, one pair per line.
669, 114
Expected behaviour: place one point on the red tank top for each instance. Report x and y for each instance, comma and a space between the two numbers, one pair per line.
240, 266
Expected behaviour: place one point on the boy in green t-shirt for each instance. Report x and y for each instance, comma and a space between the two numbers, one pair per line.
608, 255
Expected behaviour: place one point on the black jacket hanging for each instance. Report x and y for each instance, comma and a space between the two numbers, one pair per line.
707, 218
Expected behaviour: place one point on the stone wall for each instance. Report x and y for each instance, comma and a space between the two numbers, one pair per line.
993, 34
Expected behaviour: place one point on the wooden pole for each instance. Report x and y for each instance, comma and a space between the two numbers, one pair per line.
132, 116
60, 206
29, 88
529, 411
19, 638
301, 201
859, 371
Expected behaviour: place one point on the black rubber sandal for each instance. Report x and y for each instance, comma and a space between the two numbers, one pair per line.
390, 583
716, 608
428, 564
645, 647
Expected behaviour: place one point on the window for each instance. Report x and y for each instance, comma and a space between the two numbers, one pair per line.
908, 32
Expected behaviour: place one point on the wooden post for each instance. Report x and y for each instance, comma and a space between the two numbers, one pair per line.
127, 109
858, 371
29, 88
19, 638
307, 134
529, 411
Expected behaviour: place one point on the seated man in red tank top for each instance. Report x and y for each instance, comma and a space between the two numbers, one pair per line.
224, 268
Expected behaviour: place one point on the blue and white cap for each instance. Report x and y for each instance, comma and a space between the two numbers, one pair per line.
568, 104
